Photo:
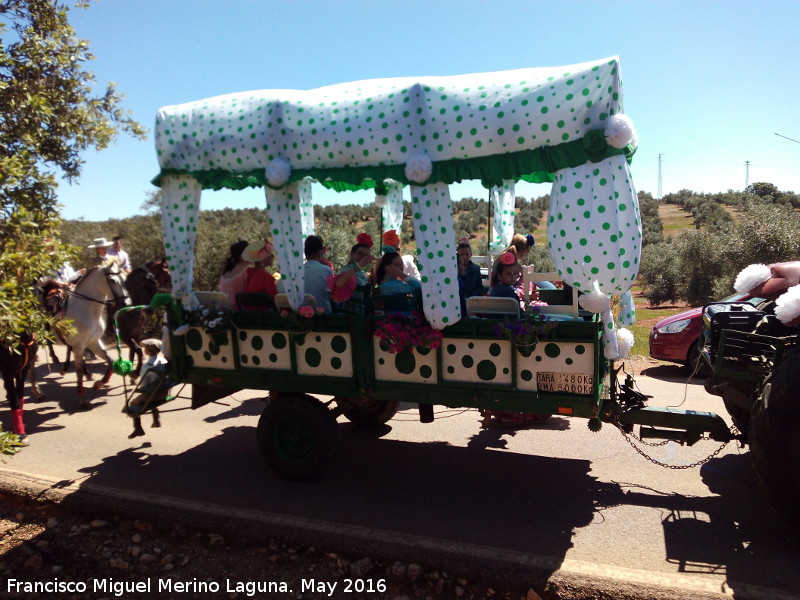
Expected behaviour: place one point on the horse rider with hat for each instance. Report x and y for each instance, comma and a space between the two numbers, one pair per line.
103, 258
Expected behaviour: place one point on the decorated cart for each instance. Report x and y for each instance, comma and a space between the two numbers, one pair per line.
563, 125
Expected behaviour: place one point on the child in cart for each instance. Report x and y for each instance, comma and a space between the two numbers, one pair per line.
151, 388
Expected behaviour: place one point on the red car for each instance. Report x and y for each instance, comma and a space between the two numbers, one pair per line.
675, 338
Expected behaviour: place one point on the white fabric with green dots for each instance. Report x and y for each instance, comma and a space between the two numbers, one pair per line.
436, 253
285, 227
180, 210
392, 211
306, 207
594, 233
384, 121
373, 128
503, 201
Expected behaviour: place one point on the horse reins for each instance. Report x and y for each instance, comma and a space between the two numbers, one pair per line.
27, 347
109, 303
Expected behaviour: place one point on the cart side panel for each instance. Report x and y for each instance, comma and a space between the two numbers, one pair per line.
559, 366
209, 351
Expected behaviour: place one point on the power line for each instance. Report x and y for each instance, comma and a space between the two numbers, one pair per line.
788, 138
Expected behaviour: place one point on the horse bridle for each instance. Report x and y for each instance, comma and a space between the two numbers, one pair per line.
118, 300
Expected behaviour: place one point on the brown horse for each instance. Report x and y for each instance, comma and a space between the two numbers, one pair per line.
160, 270
14, 364
54, 297
141, 287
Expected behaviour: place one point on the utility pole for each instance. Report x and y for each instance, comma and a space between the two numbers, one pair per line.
659, 177
746, 174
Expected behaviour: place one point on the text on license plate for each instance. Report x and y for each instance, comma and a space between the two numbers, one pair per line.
573, 383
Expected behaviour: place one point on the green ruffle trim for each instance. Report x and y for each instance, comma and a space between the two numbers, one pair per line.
535, 166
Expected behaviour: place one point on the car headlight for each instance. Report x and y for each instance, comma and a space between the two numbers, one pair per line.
675, 327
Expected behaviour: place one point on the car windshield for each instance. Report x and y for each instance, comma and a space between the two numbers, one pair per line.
737, 297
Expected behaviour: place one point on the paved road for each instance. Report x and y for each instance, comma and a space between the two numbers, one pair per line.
554, 496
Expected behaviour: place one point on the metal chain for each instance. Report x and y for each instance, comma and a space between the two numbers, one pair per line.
698, 463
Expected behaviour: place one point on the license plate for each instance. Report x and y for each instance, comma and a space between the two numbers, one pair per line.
573, 383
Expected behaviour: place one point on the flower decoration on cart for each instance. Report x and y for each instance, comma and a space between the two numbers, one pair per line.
525, 333
398, 333
304, 319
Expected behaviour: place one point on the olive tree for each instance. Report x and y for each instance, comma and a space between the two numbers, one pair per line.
50, 114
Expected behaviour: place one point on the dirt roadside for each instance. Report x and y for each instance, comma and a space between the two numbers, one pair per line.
86, 553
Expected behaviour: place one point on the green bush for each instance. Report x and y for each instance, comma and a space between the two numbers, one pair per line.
701, 265
659, 272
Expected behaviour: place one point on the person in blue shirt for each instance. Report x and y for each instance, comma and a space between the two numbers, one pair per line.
507, 272
317, 272
391, 279
470, 282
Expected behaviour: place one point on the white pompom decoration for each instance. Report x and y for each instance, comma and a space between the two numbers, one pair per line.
787, 306
278, 172
419, 168
596, 302
750, 277
380, 200
624, 342
620, 132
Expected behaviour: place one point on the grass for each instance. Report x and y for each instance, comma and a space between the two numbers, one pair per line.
674, 219
646, 317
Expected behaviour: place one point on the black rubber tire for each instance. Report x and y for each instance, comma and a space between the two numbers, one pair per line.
375, 414
775, 448
297, 437
695, 358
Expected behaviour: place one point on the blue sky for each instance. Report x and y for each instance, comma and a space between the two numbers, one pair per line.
708, 84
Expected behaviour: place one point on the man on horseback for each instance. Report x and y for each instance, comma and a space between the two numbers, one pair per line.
103, 258
120, 254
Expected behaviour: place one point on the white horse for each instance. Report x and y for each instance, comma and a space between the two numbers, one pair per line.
86, 307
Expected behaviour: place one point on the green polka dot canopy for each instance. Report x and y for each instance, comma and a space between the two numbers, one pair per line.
559, 124
359, 133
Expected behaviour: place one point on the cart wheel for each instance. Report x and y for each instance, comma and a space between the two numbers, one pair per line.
367, 413
297, 436
775, 439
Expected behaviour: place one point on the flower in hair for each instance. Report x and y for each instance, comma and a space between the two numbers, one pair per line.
364, 238
530, 240
507, 258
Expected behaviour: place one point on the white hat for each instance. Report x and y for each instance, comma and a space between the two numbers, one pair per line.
257, 252
100, 243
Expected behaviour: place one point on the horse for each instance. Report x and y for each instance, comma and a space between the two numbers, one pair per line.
53, 296
15, 364
160, 270
100, 287
141, 287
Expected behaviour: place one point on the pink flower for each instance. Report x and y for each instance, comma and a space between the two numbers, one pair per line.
284, 313
507, 258
306, 312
